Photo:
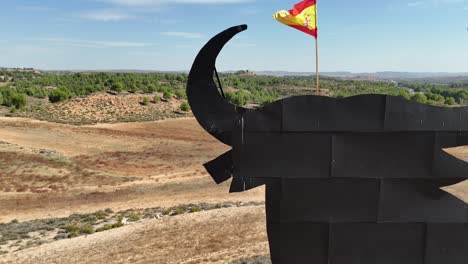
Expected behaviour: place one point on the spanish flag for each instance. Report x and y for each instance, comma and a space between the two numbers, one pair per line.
302, 17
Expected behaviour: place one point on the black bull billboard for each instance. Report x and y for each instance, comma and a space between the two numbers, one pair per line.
348, 181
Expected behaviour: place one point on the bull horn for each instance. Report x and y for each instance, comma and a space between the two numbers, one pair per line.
212, 111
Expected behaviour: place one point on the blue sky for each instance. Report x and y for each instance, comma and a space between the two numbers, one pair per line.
357, 36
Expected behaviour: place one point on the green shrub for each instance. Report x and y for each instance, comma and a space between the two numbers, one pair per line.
178, 211
167, 94
419, 97
59, 95
268, 101
18, 100
71, 228
156, 99
117, 87
180, 94
151, 88
134, 217
104, 228
404, 94
109, 226
450, 101
195, 209
117, 224
90, 218
101, 215
185, 107
87, 229
145, 101
73, 234
134, 89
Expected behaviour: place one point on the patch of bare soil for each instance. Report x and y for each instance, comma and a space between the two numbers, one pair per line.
107, 108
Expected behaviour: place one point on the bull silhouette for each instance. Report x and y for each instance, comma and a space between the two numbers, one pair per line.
348, 181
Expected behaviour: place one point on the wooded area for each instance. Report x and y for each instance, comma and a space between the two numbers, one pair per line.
239, 89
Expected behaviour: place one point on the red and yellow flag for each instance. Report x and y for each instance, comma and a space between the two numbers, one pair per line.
302, 17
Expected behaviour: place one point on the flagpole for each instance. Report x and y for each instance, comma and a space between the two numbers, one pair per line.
316, 54
316, 66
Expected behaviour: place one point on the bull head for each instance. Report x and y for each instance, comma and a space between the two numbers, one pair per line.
353, 180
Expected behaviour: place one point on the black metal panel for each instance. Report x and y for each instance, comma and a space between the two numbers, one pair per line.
313, 113
370, 243
355, 200
444, 164
213, 113
298, 243
283, 155
308, 113
404, 115
266, 119
305, 200
462, 139
361, 113
329, 200
221, 168
245, 184
373, 160
404, 200
380, 155
273, 198
447, 244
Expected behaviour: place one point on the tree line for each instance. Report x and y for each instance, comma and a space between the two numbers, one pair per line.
239, 89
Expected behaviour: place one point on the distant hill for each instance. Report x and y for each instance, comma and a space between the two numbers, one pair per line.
383, 75
377, 75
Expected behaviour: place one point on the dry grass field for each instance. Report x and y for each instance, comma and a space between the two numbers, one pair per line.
103, 107
50, 170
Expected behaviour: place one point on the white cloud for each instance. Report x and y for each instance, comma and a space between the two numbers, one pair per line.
106, 15
183, 34
159, 2
133, 9
92, 43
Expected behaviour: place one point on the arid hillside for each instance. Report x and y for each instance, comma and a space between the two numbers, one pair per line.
50, 170
103, 107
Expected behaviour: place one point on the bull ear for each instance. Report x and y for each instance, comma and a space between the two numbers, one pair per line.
212, 111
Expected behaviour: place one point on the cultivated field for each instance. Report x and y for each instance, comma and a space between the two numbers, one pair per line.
125, 193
